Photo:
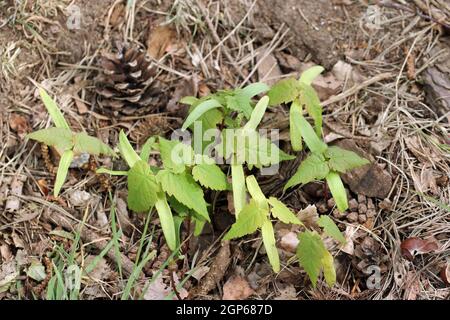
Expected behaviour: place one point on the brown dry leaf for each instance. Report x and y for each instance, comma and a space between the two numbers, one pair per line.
371, 180
5, 253
157, 290
203, 90
288, 61
445, 274
117, 15
81, 106
414, 246
428, 180
19, 124
325, 85
268, 69
160, 41
288, 293
13, 202
101, 271
289, 242
309, 216
217, 271
200, 272
237, 288
345, 72
18, 242
349, 234
423, 153
187, 87
42, 183
123, 216
412, 286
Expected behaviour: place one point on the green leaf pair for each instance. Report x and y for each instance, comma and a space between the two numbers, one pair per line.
256, 215
300, 93
326, 165
67, 143
313, 255
175, 184
238, 100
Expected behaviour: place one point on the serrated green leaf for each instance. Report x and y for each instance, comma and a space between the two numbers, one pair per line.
314, 167
254, 89
330, 228
249, 220
337, 190
257, 114
342, 160
83, 143
199, 110
311, 139
175, 155
147, 148
210, 176
127, 151
60, 138
184, 188
314, 257
53, 110
240, 104
142, 187
256, 192
294, 125
166, 219
283, 213
63, 169
283, 91
311, 101
211, 119
310, 74
269, 241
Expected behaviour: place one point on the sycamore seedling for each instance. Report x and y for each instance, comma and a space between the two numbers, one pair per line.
67, 143
230, 107
257, 215
324, 162
311, 251
174, 186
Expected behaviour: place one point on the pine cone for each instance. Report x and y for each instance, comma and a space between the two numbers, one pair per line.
127, 84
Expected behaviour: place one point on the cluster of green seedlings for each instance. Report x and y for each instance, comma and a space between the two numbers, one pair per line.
176, 190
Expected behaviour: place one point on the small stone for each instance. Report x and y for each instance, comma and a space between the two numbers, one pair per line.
362, 208
370, 204
331, 203
322, 207
353, 205
371, 213
361, 198
337, 214
352, 217
386, 204
362, 218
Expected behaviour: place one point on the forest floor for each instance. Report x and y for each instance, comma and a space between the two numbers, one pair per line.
385, 93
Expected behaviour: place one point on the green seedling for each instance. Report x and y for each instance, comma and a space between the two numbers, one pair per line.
67, 143
324, 162
177, 185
